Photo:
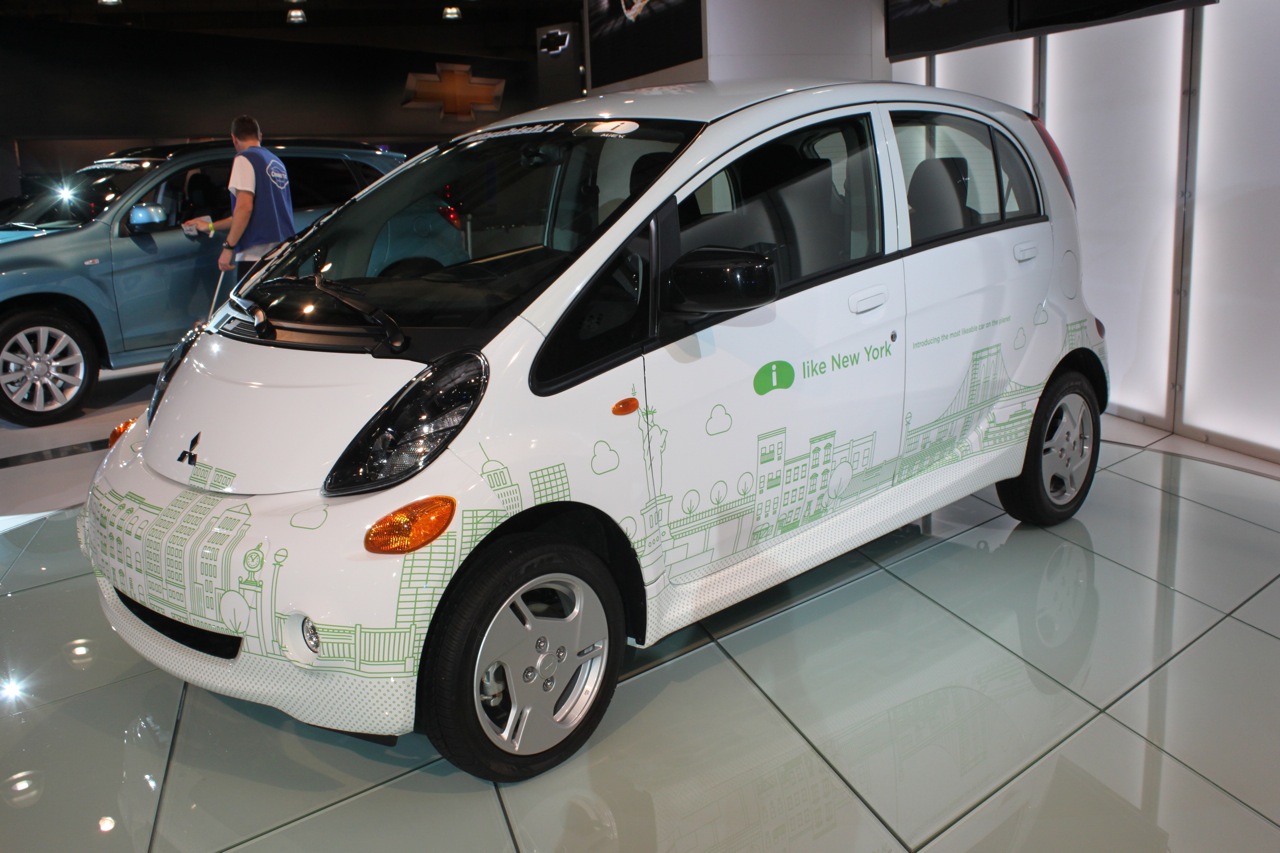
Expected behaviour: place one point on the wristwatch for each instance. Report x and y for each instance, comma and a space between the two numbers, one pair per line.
227, 245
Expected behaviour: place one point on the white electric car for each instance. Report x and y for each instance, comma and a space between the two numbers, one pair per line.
675, 346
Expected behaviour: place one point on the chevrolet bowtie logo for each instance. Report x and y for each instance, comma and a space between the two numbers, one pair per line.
454, 90
553, 41
189, 455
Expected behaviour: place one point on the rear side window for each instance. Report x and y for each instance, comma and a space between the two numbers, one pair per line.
810, 201
961, 174
320, 181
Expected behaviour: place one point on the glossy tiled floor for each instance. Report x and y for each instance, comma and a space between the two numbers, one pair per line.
963, 684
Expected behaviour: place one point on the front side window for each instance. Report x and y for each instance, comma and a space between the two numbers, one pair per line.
464, 236
954, 182
194, 192
809, 200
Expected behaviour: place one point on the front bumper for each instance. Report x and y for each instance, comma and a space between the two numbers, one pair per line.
333, 700
248, 568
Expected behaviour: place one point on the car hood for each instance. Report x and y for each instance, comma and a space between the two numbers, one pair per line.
244, 418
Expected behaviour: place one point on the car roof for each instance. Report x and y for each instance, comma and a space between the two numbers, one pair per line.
710, 102
168, 152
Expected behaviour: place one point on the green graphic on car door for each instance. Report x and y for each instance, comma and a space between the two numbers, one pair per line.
197, 560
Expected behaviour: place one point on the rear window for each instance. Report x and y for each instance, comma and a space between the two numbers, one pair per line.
961, 174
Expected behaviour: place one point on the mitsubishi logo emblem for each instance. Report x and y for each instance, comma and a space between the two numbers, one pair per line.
189, 455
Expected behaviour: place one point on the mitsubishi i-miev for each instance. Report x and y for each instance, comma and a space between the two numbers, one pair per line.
677, 346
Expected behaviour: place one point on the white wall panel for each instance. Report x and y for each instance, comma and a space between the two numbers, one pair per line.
1000, 71
1113, 104
1233, 343
910, 71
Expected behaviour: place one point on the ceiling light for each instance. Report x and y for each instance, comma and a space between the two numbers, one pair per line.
296, 16
452, 13
109, 2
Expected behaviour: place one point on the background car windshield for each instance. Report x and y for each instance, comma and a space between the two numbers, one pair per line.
463, 234
79, 198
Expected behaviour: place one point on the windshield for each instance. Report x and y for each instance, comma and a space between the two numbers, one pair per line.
465, 236
78, 198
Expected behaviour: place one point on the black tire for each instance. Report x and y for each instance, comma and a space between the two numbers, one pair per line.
1062, 454
533, 626
48, 367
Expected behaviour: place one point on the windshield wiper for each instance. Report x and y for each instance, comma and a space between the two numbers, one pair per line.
346, 295
19, 226
254, 312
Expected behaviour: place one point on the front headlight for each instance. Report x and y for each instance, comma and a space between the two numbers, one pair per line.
171, 364
413, 428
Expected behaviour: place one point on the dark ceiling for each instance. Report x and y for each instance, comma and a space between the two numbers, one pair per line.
489, 28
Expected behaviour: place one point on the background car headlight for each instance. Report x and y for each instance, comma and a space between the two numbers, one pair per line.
413, 428
171, 364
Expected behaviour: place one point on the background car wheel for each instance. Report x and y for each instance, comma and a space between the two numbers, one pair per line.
1062, 455
522, 659
48, 366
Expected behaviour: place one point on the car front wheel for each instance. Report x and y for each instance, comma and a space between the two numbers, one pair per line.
1062, 454
48, 366
523, 660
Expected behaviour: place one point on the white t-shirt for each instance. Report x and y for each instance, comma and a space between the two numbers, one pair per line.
243, 180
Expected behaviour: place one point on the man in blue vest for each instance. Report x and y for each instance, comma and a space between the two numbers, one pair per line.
261, 204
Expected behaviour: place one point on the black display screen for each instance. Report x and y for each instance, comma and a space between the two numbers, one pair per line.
1041, 14
921, 27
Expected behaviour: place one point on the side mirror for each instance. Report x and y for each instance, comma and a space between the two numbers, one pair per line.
717, 279
146, 218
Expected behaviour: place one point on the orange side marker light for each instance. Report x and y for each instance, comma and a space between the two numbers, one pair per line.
410, 527
626, 407
120, 430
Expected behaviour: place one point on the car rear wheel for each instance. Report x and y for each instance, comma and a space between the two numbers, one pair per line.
523, 659
48, 366
1062, 454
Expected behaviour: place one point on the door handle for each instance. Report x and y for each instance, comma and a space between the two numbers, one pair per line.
861, 303
1025, 251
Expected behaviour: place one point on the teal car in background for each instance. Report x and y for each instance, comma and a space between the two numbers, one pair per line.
96, 272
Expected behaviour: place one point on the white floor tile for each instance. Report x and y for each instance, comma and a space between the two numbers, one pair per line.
55, 643
1108, 789
1087, 622
921, 713
15, 539
1213, 557
437, 809
1263, 610
240, 769
53, 554
1192, 449
964, 514
1123, 431
1109, 454
691, 757
86, 773
1237, 493
1214, 709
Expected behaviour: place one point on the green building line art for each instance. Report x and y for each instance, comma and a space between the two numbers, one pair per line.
498, 476
197, 560
988, 412
550, 484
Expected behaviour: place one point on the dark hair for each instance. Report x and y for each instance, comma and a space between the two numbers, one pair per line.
245, 127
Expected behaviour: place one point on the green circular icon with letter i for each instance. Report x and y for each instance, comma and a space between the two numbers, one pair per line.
774, 376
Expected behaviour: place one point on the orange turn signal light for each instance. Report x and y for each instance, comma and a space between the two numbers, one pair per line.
119, 431
626, 407
410, 527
